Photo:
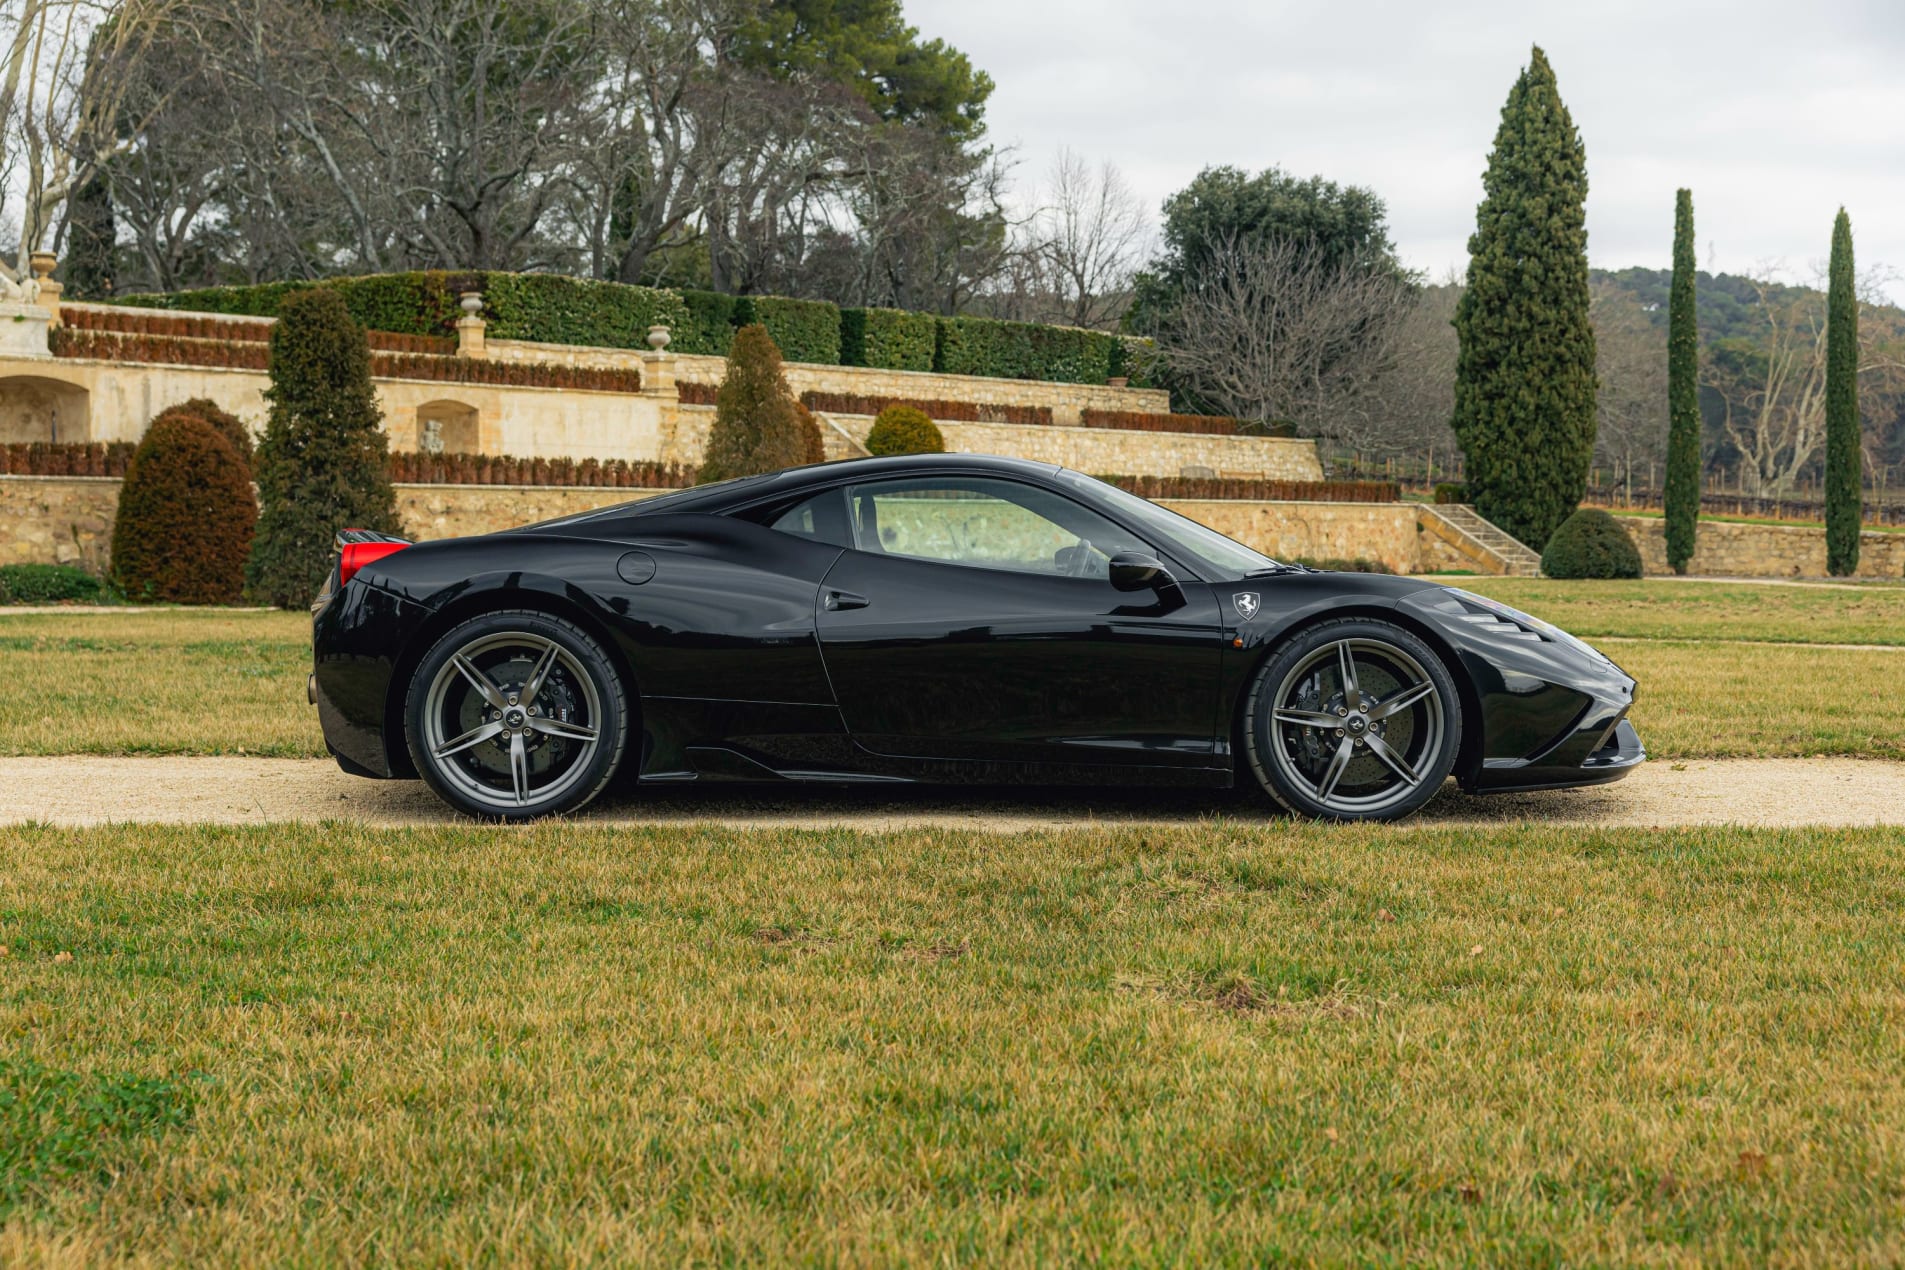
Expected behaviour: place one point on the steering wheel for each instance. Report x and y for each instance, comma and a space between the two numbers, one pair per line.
1080, 563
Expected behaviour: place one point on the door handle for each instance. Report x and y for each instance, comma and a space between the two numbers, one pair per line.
838, 600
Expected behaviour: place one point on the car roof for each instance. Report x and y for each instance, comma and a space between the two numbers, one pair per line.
725, 495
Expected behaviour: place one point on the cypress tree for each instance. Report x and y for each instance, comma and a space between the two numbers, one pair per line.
1525, 385
757, 426
1845, 509
323, 463
1683, 393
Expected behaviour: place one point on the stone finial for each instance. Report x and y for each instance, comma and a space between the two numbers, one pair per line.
471, 326
43, 264
658, 337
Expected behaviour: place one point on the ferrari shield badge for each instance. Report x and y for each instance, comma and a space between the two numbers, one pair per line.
1246, 604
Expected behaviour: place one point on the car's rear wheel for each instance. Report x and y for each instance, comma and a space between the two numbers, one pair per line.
516, 715
1354, 719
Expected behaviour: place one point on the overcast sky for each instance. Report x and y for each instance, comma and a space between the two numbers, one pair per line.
1774, 114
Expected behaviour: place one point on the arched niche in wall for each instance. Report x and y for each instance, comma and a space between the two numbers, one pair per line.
455, 423
34, 408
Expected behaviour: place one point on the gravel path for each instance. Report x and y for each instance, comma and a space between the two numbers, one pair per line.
89, 791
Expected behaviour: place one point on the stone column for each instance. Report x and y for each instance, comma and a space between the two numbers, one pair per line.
470, 327
658, 385
44, 262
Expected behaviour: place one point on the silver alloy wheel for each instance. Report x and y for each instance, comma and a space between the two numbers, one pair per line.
1355, 725
507, 710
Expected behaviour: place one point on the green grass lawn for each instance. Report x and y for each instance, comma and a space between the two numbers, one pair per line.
1662, 608
1207, 1044
1714, 683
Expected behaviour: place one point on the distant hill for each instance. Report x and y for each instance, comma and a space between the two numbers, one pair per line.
1726, 301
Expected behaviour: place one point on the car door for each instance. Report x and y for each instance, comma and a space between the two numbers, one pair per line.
973, 618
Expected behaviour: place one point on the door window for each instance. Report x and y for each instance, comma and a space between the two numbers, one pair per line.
987, 524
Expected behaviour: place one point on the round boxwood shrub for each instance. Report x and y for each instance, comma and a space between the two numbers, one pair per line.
186, 516
228, 424
905, 430
1591, 544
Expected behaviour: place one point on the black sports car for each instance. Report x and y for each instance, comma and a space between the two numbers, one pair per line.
939, 618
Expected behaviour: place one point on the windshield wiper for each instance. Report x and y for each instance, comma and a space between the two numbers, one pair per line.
1279, 569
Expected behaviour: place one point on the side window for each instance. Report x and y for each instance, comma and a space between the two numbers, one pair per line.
987, 524
822, 518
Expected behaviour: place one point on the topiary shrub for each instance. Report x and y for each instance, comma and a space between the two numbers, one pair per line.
50, 584
1450, 492
757, 427
229, 425
323, 464
1591, 544
810, 434
905, 430
186, 516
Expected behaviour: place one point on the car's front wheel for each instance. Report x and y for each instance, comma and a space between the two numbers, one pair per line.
1354, 719
515, 715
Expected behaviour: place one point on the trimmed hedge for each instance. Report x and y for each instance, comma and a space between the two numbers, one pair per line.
550, 308
186, 516
709, 329
413, 468
66, 458
1591, 544
50, 584
846, 403
556, 309
803, 330
1021, 350
465, 370
173, 350
887, 339
1448, 493
1258, 491
904, 430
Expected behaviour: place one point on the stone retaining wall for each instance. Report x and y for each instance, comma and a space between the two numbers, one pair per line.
1099, 451
68, 519
1736, 550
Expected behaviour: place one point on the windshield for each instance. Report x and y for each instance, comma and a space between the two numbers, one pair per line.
1220, 558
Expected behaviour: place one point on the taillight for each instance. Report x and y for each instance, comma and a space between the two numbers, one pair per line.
356, 555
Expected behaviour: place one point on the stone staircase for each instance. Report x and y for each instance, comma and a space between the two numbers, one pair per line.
1476, 542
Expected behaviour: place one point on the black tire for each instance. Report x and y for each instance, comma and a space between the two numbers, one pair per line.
541, 734
1374, 742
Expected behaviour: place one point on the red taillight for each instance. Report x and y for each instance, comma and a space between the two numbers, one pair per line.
358, 554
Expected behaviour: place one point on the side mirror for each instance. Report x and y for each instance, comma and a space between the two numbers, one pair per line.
1134, 571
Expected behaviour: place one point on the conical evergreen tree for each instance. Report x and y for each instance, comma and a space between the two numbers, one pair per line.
323, 464
757, 426
1683, 393
1525, 386
1844, 501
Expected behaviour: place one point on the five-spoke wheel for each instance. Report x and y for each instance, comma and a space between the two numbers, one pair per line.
517, 714
1353, 720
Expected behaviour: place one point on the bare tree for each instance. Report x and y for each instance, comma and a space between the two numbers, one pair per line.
63, 97
1411, 397
1089, 234
1270, 330
1631, 365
